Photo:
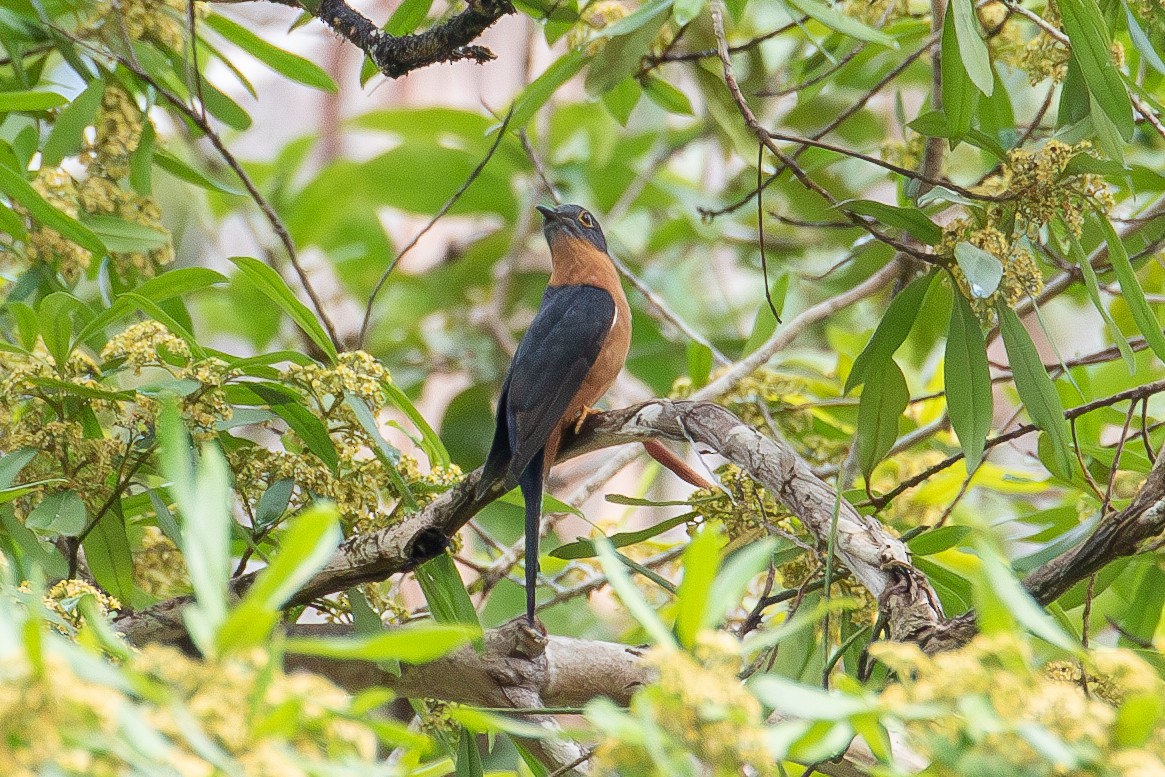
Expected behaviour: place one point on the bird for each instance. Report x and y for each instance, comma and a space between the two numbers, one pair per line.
567, 359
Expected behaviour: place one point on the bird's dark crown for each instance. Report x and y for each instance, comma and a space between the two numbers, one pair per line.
572, 220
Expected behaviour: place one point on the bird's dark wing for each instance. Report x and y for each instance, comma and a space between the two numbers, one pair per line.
553, 359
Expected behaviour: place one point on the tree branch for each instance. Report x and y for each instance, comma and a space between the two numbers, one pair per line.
395, 56
875, 557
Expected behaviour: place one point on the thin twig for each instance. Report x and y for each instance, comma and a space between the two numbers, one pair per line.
439, 215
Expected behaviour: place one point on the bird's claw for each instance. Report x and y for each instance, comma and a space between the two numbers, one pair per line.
583, 415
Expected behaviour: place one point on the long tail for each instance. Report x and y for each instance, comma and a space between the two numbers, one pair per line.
530, 482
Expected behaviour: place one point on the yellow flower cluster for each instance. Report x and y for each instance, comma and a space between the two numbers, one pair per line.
701, 704
150, 344
873, 12
1021, 274
744, 506
1036, 182
65, 596
995, 675
356, 372
118, 130
46, 245
595, 17
147, 344
58, 721
905, 153
157, 21
158, 566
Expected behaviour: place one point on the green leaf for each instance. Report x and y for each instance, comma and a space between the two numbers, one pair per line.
307, 544
699, 563
56, 313
1131, 288
684, 11
68, 130
61, 512
1142, 42
983, 271
587, 549
621, 99
967, 381
734, 577
407, 17
1093, 286
203, 499
108, 555
273, 504
276, 289
839, 22
910, 220
972, 48
1013, 600
960, 97
311, 430
388, 455
416, 643
469, 761
224, 108
12, 463
430, 442
891, 332
667, 96
1092, 51
1035, 387
15, 186
24, 489
541, 88
124, 237
285, 63
884, 398
30, 101
627, 41
632, 599
33, 556
445, 592
179, 169
1075, 102
937, 540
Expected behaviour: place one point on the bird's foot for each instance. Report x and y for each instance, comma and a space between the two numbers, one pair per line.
583, 415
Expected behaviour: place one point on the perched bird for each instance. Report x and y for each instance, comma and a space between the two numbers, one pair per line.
567, 359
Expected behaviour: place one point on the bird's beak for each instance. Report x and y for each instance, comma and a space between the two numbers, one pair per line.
548, 214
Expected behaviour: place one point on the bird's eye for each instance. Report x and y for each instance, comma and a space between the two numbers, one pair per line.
585, 219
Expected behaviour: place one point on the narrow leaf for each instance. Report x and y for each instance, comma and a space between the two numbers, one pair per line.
1131, 287
388, 455
972, 47
891, 331
700, 560
884, 398
839, 22
285, 63
1035, 387
959, 95
910, 220
414, 644
276, 289
1092, 284
967, 381
1092, 50
15, 186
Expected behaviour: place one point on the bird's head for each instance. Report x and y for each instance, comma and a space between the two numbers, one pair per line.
571, 221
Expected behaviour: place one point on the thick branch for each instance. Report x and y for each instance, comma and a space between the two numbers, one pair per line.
395, 56
875, 557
